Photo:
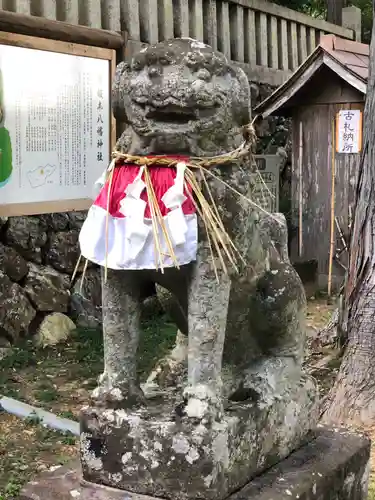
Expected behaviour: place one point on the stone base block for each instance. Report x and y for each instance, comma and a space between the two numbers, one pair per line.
152, 451
333, 466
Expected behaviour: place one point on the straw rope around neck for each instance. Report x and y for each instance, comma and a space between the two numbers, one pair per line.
218, 238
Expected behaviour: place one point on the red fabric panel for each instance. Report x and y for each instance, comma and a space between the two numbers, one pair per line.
162, 179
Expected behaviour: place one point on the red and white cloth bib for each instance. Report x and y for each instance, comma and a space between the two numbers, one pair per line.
130, 235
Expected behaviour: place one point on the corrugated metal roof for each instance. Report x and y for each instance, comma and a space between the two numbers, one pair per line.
348, 59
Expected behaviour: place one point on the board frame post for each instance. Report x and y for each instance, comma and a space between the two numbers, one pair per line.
332, 225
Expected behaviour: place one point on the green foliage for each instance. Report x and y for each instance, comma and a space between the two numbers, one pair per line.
315, 8
318, 8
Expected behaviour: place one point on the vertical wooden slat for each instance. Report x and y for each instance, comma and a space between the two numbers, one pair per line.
302, 39
50, 9
211, 23
293, 46
44, 8
314, 41
23, 6
71, 10
111, 15
250, 38
283, 46
237, 33
166, 30
262, 42
321, 33
148, 11
223, 25
196, 23
93, 13
181, 18
273, 43
311, 40
130, 18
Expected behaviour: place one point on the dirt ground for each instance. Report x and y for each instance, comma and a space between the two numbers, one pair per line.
59, 380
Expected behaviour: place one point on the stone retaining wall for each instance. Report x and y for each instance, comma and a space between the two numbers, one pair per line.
38, 255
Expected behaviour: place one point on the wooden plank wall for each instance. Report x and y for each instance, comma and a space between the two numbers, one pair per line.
317, 119
255, 33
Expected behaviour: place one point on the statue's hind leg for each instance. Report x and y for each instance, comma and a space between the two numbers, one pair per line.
118, 385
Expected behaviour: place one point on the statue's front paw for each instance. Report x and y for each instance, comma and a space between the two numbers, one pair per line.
271, 379
201, 403
260, 389
112, 392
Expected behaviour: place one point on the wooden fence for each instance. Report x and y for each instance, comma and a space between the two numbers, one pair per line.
268, 40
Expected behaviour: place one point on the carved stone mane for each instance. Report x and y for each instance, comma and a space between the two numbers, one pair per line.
181, 96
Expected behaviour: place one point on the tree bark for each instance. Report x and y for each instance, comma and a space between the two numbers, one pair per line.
334, 11
352, 399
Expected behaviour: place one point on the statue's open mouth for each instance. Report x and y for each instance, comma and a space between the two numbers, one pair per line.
178, 115
171, 114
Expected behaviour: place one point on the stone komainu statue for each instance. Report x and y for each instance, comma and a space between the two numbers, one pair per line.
232, 399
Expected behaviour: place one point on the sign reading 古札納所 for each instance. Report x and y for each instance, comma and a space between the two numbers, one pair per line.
55, 126
349, 131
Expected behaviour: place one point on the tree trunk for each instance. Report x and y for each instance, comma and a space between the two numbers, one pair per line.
334, 11
352, 399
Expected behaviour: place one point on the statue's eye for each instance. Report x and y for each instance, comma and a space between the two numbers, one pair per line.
154, 71
190, 61
163, 61
136, 65
204, 74
220, 69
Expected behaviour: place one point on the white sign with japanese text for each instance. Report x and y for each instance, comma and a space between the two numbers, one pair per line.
55, 125
349, 131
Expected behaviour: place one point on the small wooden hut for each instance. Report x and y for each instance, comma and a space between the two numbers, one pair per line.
325, 100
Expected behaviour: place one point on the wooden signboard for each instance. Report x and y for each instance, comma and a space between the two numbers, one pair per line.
56, 126
349, 131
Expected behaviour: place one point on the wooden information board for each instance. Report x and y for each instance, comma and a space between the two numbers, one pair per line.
56, 126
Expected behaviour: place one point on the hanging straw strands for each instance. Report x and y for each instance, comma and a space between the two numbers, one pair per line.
110, 182
155, 209
218, 238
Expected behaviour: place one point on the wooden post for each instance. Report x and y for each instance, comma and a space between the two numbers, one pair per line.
332, 235
250, 38
211, 23
223, 29
293, 46
300, 158
274, 44
302, 39
262, 41
352, 19
284, 45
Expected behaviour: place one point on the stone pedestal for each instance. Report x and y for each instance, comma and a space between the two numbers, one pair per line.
151, 451
333, 466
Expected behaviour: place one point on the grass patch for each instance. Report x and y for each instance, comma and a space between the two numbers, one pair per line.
26, 449
371, 489
58, 379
